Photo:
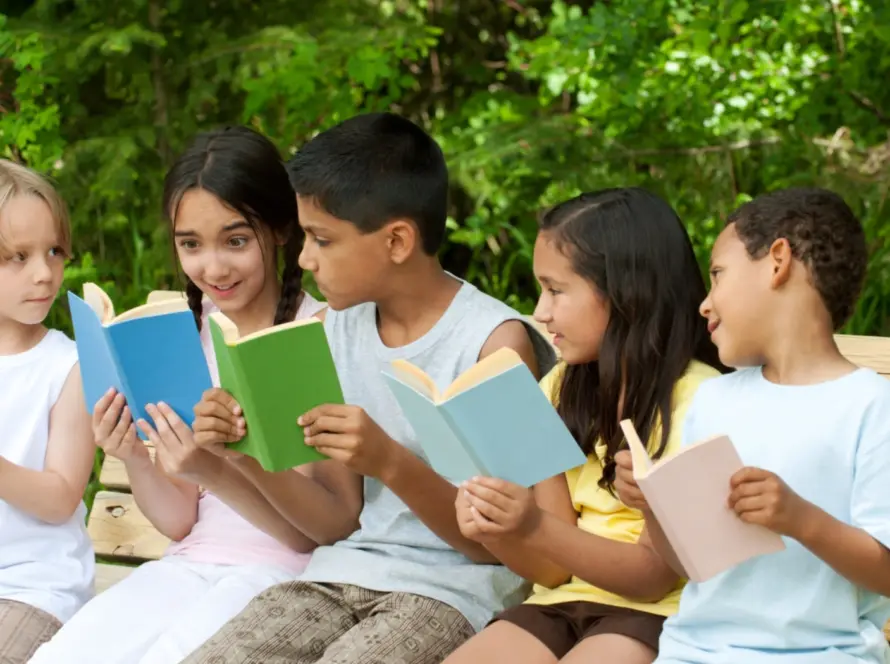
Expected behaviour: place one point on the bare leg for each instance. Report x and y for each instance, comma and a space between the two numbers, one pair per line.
608, 648
502, 642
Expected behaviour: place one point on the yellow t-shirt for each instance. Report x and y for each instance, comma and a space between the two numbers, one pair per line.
602, 514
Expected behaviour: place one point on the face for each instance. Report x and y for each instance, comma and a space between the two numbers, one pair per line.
348, 266
32, 268
222, 254
737, 306
574, 311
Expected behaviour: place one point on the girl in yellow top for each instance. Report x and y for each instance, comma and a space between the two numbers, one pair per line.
620, 295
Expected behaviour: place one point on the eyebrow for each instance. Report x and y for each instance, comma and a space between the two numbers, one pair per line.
235, 225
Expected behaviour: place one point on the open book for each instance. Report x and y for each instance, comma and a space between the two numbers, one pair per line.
276, 375
688, 493
493, 420
150, 353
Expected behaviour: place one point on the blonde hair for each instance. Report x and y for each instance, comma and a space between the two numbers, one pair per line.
18, 180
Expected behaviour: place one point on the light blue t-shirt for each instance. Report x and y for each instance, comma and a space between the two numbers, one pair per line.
831, 444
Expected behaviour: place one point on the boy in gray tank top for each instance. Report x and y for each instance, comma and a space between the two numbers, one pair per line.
406, 587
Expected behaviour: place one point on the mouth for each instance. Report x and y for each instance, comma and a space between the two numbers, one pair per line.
556, 338
223, 290
40, 300
713, 325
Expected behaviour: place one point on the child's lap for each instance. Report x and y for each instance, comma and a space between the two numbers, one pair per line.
159, 613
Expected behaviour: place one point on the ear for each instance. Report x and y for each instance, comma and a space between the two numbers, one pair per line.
401, 240
780, 259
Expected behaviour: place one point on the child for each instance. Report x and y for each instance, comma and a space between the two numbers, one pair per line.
620, 293
814, 432
46, 448
230, 205
407, 587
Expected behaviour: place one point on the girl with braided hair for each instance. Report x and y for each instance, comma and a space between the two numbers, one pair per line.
233, 216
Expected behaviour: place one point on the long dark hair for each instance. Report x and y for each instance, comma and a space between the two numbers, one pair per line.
244, 170
631, 246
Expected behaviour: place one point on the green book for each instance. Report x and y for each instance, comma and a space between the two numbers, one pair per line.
276, 374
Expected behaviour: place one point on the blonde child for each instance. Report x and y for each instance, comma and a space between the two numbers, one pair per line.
46, 446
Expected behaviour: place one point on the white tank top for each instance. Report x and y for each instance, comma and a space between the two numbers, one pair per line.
47, 566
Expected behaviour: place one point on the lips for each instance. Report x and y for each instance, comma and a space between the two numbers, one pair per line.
223, 290
40, 300
713, 325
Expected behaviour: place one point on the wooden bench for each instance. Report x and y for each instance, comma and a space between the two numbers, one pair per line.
121, 534
123, 537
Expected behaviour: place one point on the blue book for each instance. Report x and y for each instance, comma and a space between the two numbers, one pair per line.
150, 353
493, 420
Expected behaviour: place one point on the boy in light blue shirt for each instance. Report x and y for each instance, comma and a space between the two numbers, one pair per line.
814, 433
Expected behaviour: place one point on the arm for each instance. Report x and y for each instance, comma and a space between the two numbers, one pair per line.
661, 544
322, 499
53, 494
551, 496
170, 505
429, 495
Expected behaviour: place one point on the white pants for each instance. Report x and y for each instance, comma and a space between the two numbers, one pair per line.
158, 614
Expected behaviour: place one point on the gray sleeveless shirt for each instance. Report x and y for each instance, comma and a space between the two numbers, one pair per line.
393, 551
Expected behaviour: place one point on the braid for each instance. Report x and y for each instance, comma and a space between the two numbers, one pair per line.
195, 297
291, 282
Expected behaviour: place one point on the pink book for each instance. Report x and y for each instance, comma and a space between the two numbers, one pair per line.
688, 493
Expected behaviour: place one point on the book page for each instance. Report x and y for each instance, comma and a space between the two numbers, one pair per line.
415, 378
641, 460
153, 309
495, 364
275, 328
99, 302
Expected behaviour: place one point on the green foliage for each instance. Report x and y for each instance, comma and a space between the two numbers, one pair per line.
705, 103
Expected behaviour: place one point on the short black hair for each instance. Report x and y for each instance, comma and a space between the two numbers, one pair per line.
824, 235
375, 168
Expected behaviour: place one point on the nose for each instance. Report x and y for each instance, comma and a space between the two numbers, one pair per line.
542, 312
215, 268
705, 307
41, 271
307, 259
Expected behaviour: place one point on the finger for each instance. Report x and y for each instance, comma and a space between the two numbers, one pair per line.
212, 430
503, 487
223, 398
749, 474
747, 490
119, 432
624, 461
337, 441
487, 509
326, 424
325, 410
217, 410
490, 496
180, 428
102, 406
112, 415
150, 433
162, 426
749, 505
484, 525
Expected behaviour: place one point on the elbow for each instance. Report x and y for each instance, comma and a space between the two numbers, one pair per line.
551, 579
341, 532
178, 529
61, 512
655, 590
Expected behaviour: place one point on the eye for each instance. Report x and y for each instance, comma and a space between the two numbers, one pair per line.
19, 257
189, 244
321, 243
57, 252
237, 242
553, 291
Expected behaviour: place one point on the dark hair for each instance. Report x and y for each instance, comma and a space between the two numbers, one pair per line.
375, 168
631, 246
824, 235
244, 170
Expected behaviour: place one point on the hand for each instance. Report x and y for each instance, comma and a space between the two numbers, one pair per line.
113, 428
625, 485
218, 420
501, 508
175, 447
346, 434
761, 497
469, 519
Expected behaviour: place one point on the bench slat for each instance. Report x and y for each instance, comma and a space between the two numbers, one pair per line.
114, 473
870, 352
121, 532
107, 575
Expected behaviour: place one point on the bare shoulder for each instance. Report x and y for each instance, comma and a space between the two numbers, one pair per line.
512, 334
320, 314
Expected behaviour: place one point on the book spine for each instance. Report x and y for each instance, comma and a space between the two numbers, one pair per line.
137, 410
483, 469
255, 426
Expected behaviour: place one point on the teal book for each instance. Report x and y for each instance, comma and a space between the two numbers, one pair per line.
150, 353
493, 420
276, 375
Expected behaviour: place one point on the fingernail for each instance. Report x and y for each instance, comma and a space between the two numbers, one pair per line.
306, 432
236, 410
300, 420
241, 423
161, 404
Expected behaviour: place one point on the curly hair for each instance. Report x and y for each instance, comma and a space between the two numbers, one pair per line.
824, 235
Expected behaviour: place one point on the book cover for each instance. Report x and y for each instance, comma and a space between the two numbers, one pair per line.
493, 420
151, 353
276, 375
688, 493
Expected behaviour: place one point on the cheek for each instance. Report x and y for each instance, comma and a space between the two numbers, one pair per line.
191, 264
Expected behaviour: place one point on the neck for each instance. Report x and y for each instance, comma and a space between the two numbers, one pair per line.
807, 356
17, 337
260, 313
422, 293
